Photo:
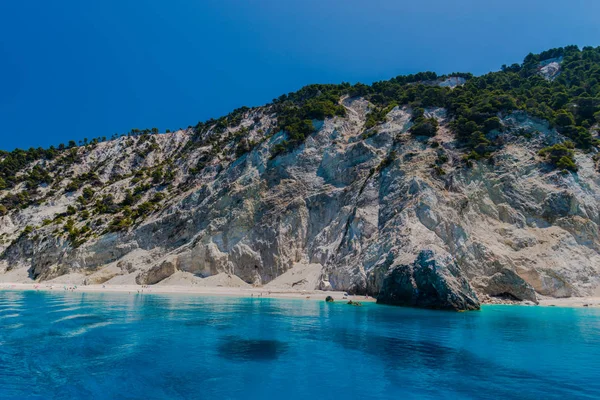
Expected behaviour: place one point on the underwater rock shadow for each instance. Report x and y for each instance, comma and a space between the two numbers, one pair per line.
208, 322
236, 348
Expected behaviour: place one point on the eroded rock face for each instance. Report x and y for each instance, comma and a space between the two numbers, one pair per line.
157, 273
507, 282
428, 282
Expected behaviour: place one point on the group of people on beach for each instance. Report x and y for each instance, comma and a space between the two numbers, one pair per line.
143, 287
258, 295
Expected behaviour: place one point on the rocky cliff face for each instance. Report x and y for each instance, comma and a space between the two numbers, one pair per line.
362, 204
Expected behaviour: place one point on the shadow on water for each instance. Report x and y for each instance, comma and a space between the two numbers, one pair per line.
218, 322
457, 368
239, 349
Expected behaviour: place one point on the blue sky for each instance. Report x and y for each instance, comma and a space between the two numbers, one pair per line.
71, 69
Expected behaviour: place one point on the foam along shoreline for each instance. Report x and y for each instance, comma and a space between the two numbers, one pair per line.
189, 290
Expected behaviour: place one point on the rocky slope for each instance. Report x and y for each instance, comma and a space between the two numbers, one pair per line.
373, 210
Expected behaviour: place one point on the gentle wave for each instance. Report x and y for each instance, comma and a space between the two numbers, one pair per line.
3, 310
65, 309
11, 304
57, 305
85, 329
13, 326
75, 316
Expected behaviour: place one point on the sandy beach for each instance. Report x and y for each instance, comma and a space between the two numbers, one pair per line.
189, 290
571, 302
233, 291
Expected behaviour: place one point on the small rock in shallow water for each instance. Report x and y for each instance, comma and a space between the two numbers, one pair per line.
329, 299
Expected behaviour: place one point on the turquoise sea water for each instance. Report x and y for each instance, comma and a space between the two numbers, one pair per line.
124, 346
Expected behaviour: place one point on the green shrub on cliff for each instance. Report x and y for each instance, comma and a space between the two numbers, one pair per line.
296, 111
571, 100
120, 223
424, 127
378, 115
561, 156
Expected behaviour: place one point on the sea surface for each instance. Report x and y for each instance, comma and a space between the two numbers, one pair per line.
64, 345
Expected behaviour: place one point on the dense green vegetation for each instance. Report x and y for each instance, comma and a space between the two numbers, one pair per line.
296, 112
570, 102
15, 161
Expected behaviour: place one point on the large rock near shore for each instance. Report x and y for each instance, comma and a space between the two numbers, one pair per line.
429, 282
507, 283
157, 273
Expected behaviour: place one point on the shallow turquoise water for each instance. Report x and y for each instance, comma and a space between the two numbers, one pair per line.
126, 346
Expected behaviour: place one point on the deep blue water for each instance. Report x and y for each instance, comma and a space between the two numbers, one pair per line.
126, 346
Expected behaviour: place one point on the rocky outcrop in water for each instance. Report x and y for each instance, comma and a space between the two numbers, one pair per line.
428, 282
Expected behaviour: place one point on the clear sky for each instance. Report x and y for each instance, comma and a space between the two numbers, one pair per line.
71, 69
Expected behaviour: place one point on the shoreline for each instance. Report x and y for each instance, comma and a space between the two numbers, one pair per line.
571, 302
221, 291
254, 292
